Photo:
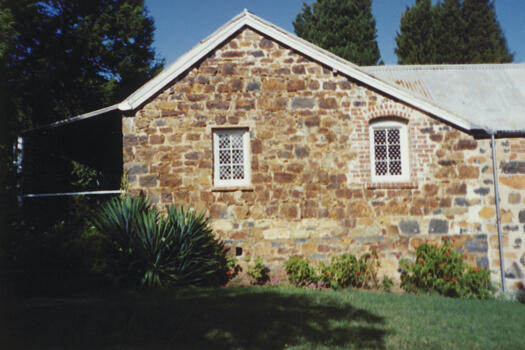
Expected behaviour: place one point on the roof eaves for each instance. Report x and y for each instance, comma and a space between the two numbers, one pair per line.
73, 119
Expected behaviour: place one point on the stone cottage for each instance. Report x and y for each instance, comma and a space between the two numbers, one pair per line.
293, 150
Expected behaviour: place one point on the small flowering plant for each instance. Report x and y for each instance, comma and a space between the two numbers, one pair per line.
258, 272
299, 271
440, 269
343, 271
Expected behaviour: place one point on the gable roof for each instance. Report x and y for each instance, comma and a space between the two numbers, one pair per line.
489, 94
247, 19
487, 98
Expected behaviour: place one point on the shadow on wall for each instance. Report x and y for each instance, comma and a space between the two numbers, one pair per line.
228, 318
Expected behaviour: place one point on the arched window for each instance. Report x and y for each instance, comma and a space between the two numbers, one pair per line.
389, 151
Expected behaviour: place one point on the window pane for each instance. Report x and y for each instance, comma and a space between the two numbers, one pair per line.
393, 136
238, 172
225, 172
224, 157
237, 156
394, 152
380, 152
395, 168
381, 168
224, 141
237, 141
379, 137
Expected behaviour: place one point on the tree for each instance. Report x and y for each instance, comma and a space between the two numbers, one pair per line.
450, 38
485, 39
345, 27
75, 56
7, 32
451, 31
62, 58
415, 41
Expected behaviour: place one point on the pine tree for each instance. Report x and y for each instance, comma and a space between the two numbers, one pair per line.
344, 27
451, 31
416, 38
485, 39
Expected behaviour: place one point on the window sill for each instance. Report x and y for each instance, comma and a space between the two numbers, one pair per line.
248, 188
391, 185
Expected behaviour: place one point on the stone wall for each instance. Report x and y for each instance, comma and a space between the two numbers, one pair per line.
311, 190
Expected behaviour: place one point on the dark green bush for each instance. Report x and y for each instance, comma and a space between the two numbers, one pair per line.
50, 248
439, 269
155, 250
258, 272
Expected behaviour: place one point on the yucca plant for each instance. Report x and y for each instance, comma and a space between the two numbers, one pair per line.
177, 249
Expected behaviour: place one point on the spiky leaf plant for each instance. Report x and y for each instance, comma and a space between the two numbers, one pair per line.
155, 250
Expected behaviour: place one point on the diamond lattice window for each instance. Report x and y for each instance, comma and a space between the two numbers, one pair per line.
231, 157
389, 151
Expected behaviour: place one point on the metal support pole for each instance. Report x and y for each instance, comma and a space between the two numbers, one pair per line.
18, 160
498, 216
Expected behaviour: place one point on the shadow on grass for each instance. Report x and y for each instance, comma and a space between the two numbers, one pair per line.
228, 318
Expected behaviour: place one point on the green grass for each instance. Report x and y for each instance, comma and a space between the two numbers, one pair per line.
262, 318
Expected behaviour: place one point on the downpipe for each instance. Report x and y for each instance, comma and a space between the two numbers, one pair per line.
498, 216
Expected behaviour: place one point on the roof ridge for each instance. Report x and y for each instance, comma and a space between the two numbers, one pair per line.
476, 66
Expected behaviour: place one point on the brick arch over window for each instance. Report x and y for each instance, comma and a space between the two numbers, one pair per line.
390, 111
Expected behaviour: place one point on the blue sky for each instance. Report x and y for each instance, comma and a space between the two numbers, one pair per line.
181, 24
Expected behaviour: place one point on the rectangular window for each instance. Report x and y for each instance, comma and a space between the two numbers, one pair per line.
389, 151
231, 159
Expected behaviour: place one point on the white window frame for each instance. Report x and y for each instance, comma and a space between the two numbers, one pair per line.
217, 181
405, 156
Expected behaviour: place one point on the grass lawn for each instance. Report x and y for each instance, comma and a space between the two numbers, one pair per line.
261, 318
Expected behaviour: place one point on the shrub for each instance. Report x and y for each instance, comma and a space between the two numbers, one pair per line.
387, 284
233, 267
154, 250
343, 271
299, 271
439, 269
258, 272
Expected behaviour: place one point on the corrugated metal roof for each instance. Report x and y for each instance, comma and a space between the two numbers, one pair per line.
489, 95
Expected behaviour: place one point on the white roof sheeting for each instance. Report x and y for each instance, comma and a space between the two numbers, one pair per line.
490, 95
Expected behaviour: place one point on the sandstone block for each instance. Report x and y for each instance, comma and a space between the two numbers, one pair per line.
295, 85
273, 85
283, 178
359, 209
465, 145
487, 212
515, 181
514, 198
468, 172
328, 103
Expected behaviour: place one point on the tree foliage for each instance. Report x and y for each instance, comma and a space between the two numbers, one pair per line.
345, 27
74, 56
451, 31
